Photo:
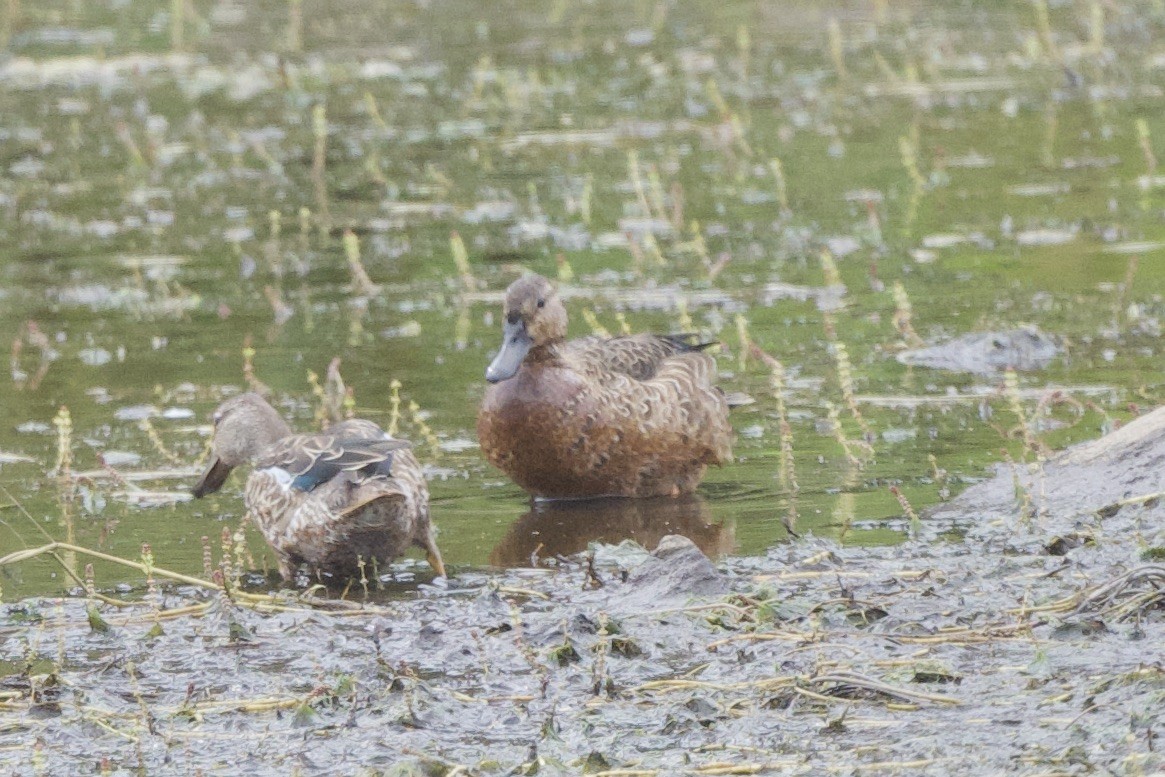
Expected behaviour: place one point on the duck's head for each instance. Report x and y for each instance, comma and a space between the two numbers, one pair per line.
534, 316
243, 427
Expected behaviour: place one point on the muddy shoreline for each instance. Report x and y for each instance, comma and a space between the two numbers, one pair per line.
1031, 645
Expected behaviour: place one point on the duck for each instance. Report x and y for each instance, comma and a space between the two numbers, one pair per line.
352, 494
629, 416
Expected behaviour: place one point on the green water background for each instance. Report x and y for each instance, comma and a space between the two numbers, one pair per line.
1002, 171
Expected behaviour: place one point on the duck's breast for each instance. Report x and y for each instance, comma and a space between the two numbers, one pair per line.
533, 416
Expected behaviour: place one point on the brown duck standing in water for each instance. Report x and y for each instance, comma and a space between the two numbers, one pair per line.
623, 416
324, 500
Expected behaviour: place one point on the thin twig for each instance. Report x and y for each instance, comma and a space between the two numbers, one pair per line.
52, 547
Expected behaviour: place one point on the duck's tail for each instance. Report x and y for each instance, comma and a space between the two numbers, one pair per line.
688, 341
738, 399
372, 502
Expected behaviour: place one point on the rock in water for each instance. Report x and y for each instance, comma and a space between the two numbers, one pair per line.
676, 571
1024, 348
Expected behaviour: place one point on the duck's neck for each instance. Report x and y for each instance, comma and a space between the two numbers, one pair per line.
265, 435
545, 354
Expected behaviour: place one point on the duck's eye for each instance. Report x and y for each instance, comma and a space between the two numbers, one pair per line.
541, 303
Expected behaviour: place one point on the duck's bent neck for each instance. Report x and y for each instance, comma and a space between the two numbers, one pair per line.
545, 355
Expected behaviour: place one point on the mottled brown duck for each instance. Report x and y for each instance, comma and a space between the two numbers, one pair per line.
637, 415
327, 501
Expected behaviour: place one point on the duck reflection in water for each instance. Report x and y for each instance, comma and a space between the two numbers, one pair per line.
562, 527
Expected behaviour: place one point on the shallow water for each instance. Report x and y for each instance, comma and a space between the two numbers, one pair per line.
1000, 172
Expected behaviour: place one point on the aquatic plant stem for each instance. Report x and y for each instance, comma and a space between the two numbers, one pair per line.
319, 122
53, 547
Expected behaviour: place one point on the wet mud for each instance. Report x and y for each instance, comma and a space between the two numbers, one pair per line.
1019, 632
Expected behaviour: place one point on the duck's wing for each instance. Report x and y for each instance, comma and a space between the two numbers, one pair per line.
680, 406
374, 518
636, 356
356, 429
313, 459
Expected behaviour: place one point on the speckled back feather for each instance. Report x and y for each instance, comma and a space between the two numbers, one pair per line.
637, 356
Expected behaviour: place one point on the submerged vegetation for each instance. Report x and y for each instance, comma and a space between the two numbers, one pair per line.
927, 239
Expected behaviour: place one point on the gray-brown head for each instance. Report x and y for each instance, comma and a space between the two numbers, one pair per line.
243, 427
534, 316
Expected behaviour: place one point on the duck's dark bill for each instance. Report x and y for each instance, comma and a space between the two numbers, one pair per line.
515, 345
211, 480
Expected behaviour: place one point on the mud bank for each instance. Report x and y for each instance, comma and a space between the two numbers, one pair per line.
1020, 633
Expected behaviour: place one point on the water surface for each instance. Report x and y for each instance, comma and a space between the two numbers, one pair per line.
175, 197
